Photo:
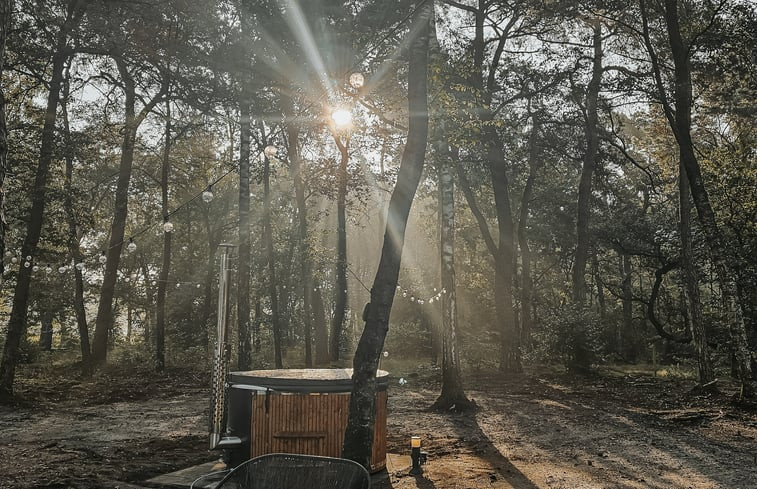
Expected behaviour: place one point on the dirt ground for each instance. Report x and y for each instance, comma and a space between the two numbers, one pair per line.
617, 429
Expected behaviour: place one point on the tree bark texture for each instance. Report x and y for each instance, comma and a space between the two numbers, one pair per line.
358, 438
340, 293
19, 309
683, 101
244, 353
527, 281
6, 14
691, 282
452, 396
293, 136
74, 240
132, 120
271, 258
583, 206
165, 266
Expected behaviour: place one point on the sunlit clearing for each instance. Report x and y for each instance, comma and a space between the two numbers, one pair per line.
341, 117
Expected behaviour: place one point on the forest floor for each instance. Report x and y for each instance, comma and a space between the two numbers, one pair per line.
619, 428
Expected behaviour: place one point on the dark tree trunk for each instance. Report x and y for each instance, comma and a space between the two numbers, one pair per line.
600, 287
271, 258
527, 283
358, 437
46, 331
682, 97
583, 206
256, 326
293, 136
340, 293
19, 309
244, 354
693, 302
74, 240
104, 322
627, 329
320, 329
165, 267
6, 14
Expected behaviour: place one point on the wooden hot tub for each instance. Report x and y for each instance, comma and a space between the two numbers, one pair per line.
298, 411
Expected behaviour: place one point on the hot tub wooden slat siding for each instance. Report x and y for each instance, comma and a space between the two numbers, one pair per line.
309, 423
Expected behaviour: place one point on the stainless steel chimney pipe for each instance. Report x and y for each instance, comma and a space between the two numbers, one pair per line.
221, 363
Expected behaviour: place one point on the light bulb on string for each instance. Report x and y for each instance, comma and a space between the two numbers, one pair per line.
178, 285
167, 225
102, 258
270, 151
14, 260
48, 269
132, 246
404, 294
80, 266
35, 268
62, 269
199, 285
27, 264
357, 80
8, 253
127, 280
207, 195
28, 257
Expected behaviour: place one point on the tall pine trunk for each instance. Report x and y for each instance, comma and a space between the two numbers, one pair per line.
340, 293
165, 267
691, 282
526, 291
74, 239
132, 121
271, 259
452, 396
6, 13
682, 97
244, 349
19, 309
583, 206
358, 437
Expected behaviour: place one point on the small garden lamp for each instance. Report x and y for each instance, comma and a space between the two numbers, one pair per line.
418, 457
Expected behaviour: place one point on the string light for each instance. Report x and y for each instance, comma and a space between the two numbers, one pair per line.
102, 258
48, 269
167, 225
27, 264
80, 266
270, 151
62, 269
207, 195
132, 246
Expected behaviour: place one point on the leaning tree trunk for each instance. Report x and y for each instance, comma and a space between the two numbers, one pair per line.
74, 240
19, 309
104, 322
682, 129
340, 294
358, 437
452, 396
165, 267
691, 282
583, 205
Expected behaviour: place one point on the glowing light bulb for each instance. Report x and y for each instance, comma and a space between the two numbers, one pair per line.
27, 264
341, 117
14, 260
80, 266
168, 226
357, 80
35, 268
207, 196
102, 258
270, 151
386, 354
62, 270
132, 246
48, 269
28, 257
